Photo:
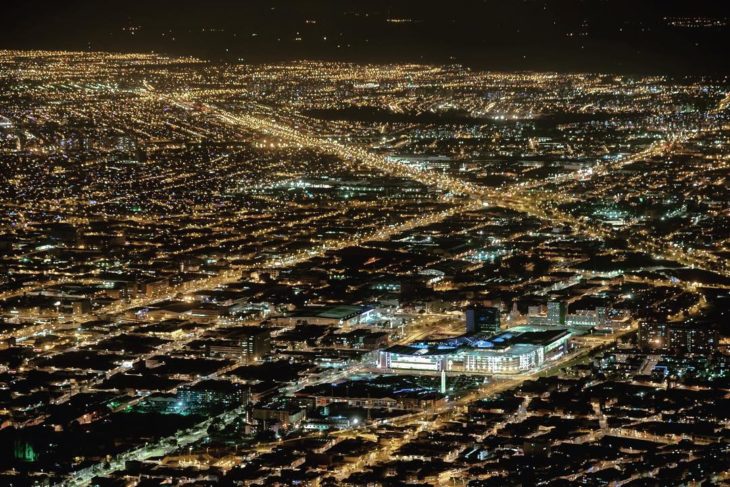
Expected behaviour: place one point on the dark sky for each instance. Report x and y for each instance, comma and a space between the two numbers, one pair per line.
641, 36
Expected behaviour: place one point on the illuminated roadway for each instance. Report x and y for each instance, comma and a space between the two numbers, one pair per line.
511, 198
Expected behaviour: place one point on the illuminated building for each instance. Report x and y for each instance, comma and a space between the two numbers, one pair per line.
679, 338
246, 343
521, 349
556, 311
211, 394
342, 315
284, 413
587, 318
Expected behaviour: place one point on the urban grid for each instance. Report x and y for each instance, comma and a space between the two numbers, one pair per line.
330, 272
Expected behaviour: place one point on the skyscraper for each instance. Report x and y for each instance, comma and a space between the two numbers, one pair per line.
556, 311
480, 319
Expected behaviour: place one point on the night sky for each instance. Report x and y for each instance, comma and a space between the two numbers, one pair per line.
564, 35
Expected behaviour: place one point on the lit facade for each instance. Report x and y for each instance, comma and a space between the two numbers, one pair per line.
512, 352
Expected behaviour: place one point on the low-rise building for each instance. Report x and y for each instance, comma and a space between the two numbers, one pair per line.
518, 350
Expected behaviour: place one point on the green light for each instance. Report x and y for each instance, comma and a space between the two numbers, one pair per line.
24, 451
